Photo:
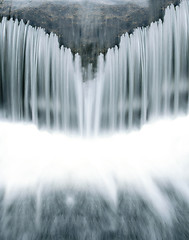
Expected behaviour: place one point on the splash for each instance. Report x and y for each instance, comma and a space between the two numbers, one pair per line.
157, 154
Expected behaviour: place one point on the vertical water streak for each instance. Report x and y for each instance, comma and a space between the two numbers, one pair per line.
37, 78
147, 77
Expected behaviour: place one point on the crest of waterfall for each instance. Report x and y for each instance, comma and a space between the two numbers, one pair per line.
146, 77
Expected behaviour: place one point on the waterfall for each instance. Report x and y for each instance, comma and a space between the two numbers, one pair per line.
125, 186
145, 78
38, 80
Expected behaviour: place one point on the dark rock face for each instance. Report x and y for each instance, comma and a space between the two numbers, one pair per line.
87, 28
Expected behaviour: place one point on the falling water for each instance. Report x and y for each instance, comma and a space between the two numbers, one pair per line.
146, 77
38, 81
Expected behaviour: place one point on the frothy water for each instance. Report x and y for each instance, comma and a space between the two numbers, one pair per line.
157, 154
120, 186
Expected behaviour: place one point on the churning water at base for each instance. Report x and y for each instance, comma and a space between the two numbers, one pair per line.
128, 186
145, 78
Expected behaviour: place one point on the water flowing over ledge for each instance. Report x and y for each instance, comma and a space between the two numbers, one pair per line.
38, 80
145, 78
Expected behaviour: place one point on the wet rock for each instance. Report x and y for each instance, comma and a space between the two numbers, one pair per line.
90, 28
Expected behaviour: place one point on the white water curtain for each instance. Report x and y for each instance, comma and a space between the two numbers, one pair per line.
146, 77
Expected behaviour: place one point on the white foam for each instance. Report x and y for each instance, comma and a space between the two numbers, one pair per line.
159, 151
29, 155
